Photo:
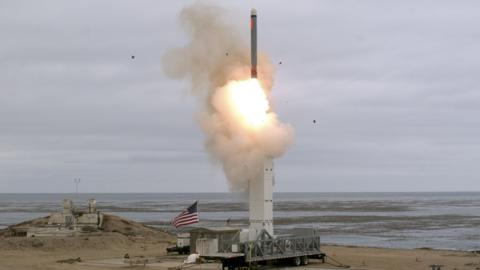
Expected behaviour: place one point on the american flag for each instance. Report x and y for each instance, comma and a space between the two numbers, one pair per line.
187, 216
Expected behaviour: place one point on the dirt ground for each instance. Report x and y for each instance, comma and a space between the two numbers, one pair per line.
118, 237
106, 252
106, 249
401, 259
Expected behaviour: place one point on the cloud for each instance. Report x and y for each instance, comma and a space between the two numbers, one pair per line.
392, 87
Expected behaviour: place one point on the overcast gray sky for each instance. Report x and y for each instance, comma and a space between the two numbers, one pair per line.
393, 87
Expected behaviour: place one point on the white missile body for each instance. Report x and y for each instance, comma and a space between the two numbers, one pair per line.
261, 186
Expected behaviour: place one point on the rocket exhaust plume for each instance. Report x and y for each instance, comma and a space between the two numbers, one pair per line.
235, 113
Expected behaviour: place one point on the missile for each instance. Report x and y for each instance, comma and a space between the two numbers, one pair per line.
253, 40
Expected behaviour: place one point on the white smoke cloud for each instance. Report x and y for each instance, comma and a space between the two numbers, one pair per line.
216, 55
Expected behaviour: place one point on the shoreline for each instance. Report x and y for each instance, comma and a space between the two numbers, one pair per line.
228, 192
406, 221
475, 251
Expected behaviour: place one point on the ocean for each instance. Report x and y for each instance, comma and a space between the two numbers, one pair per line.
448, 220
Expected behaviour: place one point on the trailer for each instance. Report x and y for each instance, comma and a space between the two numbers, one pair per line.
228, 246
297, 248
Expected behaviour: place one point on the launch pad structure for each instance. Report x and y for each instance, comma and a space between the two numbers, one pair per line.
260, 194
235, 247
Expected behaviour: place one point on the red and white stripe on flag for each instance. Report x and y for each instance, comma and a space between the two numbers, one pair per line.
187, 216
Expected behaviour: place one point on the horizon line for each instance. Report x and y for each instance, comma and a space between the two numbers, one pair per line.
233, 192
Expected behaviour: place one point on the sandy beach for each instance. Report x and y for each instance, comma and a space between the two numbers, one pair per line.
107, 248
119, 236
401, 259
44, 253
107, 251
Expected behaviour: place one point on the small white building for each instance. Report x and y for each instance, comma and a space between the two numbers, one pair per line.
70, 222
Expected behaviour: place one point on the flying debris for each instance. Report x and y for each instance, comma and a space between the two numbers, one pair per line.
133, 56
280, 62
314, 121
226, 53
